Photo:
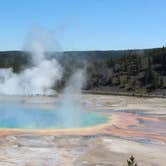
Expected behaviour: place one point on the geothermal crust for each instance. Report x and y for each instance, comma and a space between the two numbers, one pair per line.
97, 146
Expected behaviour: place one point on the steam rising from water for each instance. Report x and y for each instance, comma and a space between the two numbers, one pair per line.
39, 79
71, 109
41, 76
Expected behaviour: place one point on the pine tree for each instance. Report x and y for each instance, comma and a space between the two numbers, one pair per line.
131, 161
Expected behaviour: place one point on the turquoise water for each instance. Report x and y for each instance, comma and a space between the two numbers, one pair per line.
23, 117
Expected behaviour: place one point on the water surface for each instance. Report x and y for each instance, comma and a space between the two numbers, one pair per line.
21, 116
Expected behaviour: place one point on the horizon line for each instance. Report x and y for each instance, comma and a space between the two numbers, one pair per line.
91, 50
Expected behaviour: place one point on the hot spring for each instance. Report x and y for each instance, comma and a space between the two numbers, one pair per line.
21, 116
39, 78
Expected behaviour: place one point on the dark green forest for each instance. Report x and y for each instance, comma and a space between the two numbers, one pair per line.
130, 71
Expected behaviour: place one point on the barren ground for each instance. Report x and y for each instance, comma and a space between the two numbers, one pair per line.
28, 149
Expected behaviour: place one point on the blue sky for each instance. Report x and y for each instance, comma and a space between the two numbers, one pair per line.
86, 24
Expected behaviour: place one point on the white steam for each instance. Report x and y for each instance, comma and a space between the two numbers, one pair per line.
41, 76
71, 108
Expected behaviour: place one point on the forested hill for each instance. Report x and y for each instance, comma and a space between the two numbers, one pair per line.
136, 71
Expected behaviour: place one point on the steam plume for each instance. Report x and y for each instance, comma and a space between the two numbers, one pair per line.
43, 73
71, 109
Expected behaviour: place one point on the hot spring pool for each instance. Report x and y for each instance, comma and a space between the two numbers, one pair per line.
19, 116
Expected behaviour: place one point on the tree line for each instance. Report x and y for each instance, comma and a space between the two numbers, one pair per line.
138, 71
